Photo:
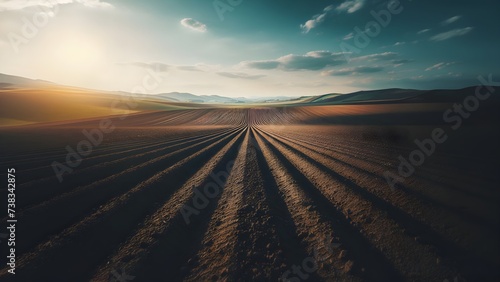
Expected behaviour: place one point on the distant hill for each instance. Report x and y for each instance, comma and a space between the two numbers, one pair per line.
391, 95
396, 95
217, 99
192, 98
12, 80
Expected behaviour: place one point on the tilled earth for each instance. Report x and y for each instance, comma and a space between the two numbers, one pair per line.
250, 195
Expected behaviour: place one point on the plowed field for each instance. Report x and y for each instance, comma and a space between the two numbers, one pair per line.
250, 195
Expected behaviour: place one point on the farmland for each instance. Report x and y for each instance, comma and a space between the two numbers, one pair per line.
263, 193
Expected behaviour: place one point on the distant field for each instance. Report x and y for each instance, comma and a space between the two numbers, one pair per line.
21, 106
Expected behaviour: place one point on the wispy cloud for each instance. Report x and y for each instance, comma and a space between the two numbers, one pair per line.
94, 3
423, 31
161, 67
263, 65
386, 59
350, 6
194, 24
158, 67
397, 63
377, 57
11, 5
349, 36
314, 60
240, 75
452, 33
198, 67
189, 68
399, 43
315, 20
451, 20
353, 71
439, 66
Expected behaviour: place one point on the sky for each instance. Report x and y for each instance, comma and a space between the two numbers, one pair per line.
251, 48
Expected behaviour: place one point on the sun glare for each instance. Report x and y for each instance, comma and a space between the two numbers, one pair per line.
77, 53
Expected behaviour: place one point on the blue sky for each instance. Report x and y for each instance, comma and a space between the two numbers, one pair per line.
251, 47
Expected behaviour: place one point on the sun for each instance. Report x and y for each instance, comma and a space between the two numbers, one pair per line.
77, 52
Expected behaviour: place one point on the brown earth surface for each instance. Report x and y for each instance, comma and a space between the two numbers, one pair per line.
258, 194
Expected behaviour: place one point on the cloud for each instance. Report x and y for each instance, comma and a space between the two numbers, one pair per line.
451, 20
398, 63
240, 75
158, 67
452, 33
353, 71
439, 66
23, 4
194, 25
309, 62
189, 68
348, 36
197, 67
94, 3
314, 60
423, 31
161, 67
263, 65
315, 20
392, 58
399, 43
350, 6
377, 57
